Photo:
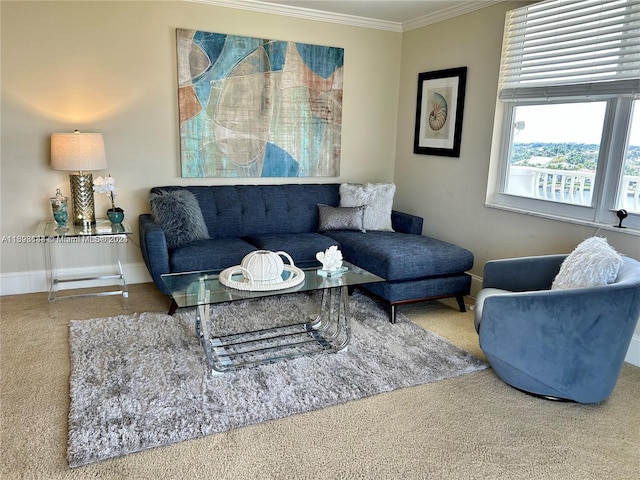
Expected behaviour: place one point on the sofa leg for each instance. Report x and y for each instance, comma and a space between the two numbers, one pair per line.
393, 313
173, 307
460, 299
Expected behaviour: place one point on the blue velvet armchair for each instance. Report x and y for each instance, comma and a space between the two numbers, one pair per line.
563, 344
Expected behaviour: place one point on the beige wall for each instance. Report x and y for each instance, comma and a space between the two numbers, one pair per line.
110, 67
450, 192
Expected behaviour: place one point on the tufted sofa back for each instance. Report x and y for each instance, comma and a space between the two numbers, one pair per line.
236, 211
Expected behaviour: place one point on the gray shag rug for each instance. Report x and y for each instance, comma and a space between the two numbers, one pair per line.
141, 381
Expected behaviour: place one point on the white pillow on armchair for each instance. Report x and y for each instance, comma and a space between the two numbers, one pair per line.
591, 264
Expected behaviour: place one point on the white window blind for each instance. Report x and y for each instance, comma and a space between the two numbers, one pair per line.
562, 48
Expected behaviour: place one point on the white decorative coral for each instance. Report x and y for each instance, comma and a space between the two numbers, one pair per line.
331, 259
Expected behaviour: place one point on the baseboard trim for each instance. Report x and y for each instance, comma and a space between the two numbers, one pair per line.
17, 283
476, 284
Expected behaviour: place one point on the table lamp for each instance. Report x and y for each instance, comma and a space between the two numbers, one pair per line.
79, 152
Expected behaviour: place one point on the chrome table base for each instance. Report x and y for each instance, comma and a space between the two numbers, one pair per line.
329, 332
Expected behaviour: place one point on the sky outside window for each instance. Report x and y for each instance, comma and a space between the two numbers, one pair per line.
561, 123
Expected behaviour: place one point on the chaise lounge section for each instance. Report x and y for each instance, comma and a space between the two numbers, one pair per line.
234, 220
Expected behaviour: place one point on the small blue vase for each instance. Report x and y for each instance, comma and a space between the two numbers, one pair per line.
115, 215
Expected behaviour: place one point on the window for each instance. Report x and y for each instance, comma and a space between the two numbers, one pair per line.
629, 190
567, 112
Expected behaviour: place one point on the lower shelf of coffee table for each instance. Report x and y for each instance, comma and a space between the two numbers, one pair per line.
270, 345
329, 332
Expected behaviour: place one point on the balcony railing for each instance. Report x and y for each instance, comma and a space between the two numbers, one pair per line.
568, 186
630, 193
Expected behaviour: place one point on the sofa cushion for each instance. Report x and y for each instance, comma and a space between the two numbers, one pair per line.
399, 256
592, 263
340, 218
377, 197
302, 246
209, 255
179, 215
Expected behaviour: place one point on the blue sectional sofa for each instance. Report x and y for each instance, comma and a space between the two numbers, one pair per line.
243, 218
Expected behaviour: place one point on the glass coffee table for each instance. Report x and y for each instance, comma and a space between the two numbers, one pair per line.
329, 331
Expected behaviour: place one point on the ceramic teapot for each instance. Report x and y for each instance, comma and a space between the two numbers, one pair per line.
264, 266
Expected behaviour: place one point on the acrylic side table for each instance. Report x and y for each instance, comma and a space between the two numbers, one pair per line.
102, 233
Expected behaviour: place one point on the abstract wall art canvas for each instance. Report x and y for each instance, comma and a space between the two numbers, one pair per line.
251, 107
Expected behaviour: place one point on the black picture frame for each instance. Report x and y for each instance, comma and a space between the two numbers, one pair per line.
439, 112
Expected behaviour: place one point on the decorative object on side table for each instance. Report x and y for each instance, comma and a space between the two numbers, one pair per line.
108, 185
261, 271
331, 260
116, 215
79, 152
60, 209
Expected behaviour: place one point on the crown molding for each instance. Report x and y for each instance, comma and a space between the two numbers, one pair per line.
351, 20
304, 13
447, 13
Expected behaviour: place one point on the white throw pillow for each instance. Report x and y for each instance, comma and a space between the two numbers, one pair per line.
593, 263
377, 197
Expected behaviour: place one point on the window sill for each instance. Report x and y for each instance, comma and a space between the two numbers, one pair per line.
586, 223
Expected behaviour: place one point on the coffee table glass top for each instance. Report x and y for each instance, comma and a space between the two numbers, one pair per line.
185, 287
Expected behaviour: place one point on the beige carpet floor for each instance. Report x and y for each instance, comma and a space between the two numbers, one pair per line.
470, 427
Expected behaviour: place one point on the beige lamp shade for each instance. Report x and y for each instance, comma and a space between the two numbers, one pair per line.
78, 151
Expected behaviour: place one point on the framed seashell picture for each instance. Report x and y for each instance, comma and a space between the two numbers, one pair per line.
439, 112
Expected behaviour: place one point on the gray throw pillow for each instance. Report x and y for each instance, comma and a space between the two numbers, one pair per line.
340, 218
377, 197
179, 215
